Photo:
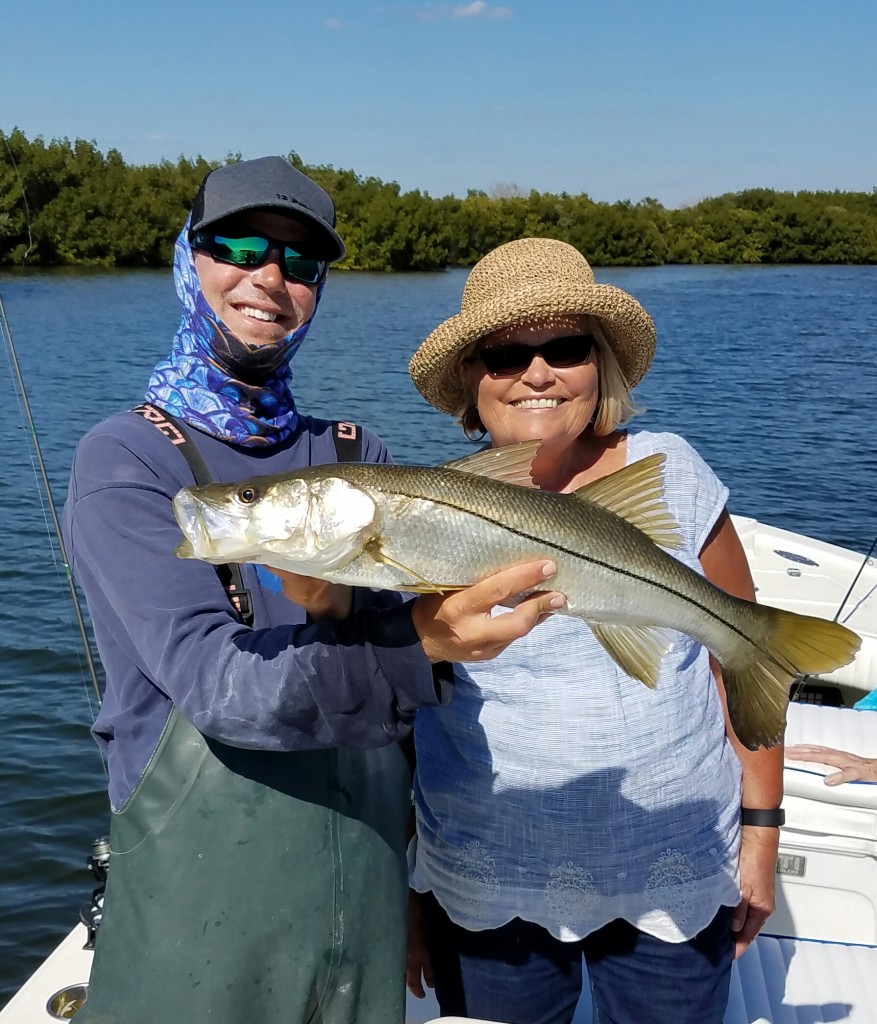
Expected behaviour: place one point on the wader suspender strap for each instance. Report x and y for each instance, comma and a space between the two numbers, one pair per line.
175, 431
348, 442
348, 448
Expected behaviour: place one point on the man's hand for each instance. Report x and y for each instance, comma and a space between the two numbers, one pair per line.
459, 627
321, 600
852, 767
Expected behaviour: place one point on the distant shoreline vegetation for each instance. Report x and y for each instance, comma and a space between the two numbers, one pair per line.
91, 209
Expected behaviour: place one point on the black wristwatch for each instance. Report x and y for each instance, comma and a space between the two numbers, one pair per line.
766, 819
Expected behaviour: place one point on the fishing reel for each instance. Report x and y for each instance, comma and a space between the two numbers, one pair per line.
99, 859
98, 864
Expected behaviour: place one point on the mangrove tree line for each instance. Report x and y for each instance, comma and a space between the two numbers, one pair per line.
67, 203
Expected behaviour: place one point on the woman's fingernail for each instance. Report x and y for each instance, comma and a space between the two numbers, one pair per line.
549, 569
558, 601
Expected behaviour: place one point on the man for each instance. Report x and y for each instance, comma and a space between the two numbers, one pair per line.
259, 799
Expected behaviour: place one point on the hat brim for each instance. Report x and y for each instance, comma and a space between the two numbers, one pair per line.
628, 327
331, 248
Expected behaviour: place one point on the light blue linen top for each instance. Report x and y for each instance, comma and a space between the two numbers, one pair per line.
556, 788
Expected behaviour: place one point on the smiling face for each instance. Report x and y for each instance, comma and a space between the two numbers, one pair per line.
258, 304
553, 404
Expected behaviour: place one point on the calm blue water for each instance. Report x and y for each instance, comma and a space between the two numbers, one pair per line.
770, 372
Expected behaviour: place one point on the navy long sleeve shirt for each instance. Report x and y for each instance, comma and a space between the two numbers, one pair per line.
168, 636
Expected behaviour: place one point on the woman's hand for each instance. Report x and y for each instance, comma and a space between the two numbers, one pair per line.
321, 600
852, 767
459, 627
419, 969
758, 865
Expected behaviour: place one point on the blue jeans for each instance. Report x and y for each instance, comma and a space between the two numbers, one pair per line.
520, 974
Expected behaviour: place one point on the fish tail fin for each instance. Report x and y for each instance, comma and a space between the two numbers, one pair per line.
792, 645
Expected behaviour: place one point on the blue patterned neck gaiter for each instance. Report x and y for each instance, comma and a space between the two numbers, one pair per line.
217, 383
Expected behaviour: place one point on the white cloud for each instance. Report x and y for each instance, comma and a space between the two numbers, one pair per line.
475, 9
478, 9
333, 23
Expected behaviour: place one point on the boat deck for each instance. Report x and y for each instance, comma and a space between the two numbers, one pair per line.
795, 981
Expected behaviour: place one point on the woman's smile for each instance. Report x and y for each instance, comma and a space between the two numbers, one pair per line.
537, 403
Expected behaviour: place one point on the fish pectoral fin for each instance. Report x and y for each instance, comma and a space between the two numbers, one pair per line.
639, 650
430, 588
421, 586
511, 463
636, 493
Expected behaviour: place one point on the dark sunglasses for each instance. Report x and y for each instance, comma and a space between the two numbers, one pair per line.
252, 251
514, 358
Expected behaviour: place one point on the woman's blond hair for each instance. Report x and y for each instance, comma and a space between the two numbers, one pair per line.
614, 404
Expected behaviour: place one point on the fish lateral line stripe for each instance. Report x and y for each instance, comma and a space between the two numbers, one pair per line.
613, 568
438, 500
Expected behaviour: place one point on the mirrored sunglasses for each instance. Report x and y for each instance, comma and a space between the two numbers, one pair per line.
251, 251
515, 357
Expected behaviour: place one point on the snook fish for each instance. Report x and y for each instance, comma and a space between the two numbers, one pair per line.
442, 528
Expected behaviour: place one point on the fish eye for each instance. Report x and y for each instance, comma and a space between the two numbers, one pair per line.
247, 494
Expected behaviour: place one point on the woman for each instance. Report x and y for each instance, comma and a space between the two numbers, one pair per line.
563, 809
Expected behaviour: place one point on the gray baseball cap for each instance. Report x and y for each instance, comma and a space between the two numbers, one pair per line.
268, 183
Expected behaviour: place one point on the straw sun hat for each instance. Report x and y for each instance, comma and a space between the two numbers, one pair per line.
521, 281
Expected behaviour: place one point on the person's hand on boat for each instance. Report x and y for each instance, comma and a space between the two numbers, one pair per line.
458, 626
321, 600
852, 767
419, 968
758, 861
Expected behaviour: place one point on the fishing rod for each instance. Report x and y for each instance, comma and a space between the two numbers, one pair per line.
862, 568
24, 402
799, 685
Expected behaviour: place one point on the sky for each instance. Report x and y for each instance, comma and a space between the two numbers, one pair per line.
673, 99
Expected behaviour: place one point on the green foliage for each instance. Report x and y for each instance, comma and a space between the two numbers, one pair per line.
85, 207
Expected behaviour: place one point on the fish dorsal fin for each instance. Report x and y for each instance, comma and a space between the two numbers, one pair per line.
636, 493
637, 649
511, 463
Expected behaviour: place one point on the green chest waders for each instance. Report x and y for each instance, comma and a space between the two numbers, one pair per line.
251, 887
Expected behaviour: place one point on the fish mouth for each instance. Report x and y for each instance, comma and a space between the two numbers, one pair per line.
197, 542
